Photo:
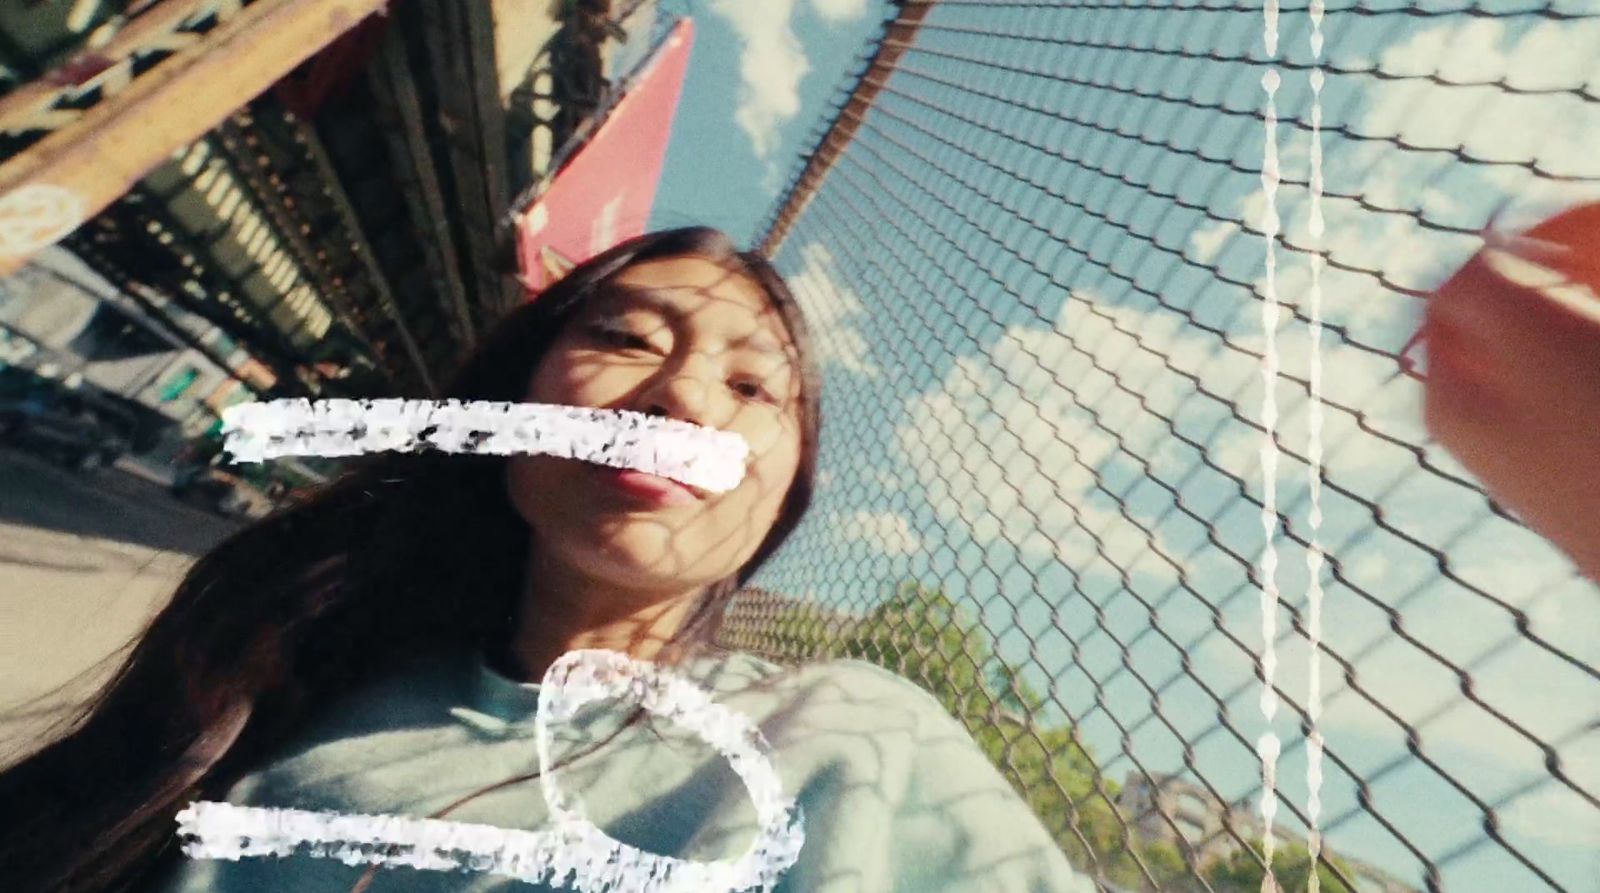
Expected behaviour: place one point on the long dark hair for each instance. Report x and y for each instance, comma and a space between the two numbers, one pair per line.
403, 556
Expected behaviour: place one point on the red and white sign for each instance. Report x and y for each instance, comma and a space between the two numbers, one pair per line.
605, 192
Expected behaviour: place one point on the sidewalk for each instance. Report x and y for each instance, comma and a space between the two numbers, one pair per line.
70, 603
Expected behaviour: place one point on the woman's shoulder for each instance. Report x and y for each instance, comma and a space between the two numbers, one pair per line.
410, 699
414, 692
839, 689
733, 667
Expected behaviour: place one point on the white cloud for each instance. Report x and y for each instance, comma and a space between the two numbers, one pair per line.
887, 532
771, 65
1557, 129
1206, 243
1474, 748
834, 312
1547, 56
641, 26
1009, 445
1554, 815
1393, 244
1512, 565
1538, 692
1548, 700
1525, 571
774, 178
839, 10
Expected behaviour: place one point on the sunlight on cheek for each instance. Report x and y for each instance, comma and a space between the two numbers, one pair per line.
774, 438
576, 381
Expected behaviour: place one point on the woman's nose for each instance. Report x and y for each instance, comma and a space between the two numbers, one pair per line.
681, 395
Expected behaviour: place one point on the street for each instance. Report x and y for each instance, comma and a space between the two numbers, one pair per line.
85, 560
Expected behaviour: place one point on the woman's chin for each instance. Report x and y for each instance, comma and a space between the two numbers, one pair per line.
636, 555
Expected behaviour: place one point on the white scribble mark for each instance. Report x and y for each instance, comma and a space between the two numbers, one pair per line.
575, 853
1270, 27
1314, 554
1268, 746
580, 677
1318, 9
37, 216
695, 455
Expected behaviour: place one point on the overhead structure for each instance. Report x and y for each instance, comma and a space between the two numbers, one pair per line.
331, 182
899, 34
609, 169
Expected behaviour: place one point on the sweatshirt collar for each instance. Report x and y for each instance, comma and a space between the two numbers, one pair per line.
496, 695
511, 701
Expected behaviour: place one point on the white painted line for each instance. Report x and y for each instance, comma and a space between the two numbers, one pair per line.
1268, 746
695, 455
575, 852
1314, 553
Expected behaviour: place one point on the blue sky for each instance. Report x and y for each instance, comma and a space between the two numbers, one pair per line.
1040, 319
758, 83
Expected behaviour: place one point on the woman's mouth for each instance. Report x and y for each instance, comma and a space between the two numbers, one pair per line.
641, 486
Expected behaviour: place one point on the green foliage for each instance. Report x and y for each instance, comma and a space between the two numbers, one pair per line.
925, 636
1291, 866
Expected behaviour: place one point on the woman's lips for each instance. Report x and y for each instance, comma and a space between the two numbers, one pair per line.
648, 488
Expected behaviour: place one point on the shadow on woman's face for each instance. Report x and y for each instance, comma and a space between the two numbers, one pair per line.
688, 338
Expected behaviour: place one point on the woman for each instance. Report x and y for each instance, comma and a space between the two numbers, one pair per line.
376, 648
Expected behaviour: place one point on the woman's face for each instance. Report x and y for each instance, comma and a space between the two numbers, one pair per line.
688, 339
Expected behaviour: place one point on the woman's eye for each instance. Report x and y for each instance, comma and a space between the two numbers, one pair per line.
612, 334
753, 390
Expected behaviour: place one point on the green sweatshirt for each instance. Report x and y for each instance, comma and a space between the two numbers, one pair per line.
896, 797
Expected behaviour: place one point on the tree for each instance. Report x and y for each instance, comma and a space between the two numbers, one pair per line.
1242, 870
922, 635
925, 636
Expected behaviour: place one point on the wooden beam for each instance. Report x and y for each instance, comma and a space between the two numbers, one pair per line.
61, 181
29, 106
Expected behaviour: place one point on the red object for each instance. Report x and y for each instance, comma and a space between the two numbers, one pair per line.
647, 488
78, 70
604, 194
329, 73
1577, 231
1568, 243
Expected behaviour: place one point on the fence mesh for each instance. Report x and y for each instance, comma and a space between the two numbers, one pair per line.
1037, 265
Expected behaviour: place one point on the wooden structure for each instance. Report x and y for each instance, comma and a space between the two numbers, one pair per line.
328, 181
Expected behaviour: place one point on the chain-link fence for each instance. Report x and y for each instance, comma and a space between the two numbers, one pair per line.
1033, 239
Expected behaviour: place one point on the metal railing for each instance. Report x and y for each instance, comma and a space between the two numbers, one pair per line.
1033, 240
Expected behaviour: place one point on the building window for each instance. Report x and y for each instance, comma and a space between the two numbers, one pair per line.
178, 384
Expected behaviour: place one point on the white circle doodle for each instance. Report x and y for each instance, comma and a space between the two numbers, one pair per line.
581, 677
37, 216
574, 852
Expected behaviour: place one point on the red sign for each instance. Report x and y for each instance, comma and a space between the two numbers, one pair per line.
604, 194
